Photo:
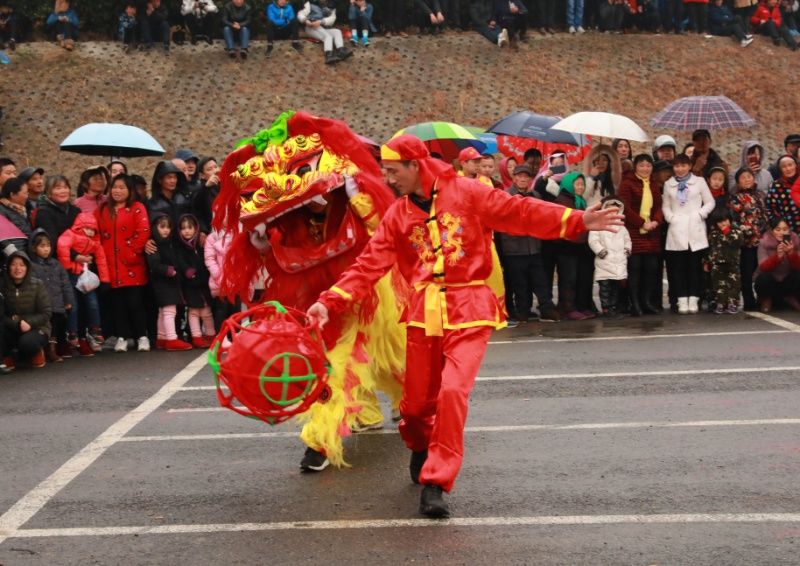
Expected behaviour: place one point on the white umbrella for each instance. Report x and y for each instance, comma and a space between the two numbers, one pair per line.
602, 124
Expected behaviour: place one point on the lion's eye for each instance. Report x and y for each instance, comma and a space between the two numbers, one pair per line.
303, 169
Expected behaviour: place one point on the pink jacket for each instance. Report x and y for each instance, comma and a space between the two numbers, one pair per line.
217, 245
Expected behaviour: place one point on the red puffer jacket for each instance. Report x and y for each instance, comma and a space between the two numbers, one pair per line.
763, 14
76, 240
123, 237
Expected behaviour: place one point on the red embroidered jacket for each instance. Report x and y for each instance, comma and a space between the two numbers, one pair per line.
445, 254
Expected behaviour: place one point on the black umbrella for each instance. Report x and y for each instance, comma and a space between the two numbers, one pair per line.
535, 126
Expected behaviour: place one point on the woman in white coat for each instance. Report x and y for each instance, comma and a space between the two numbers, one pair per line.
687, 201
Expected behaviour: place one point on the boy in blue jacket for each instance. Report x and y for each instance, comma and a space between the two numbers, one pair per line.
281, 24
64, 21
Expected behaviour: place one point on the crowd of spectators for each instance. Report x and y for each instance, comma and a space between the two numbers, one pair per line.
122, 264
502, 22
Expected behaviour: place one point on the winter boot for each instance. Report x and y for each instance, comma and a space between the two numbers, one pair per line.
432, 504
52, 353
343, 53
683, 305
694, 306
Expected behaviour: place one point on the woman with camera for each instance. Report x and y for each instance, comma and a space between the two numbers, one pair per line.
778, 276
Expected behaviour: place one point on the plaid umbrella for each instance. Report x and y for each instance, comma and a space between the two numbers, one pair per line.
706, 112
445, 138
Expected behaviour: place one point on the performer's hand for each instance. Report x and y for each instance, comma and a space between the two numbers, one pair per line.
259, 238
606, 219
350, 186
318, 313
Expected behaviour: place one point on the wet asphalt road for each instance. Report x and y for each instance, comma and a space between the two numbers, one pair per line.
649, 441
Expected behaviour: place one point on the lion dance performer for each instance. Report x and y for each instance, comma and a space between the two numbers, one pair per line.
437, 236
309, 195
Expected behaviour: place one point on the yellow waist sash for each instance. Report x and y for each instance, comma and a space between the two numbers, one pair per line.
433, 303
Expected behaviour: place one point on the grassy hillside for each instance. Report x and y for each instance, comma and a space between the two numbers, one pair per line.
200, 99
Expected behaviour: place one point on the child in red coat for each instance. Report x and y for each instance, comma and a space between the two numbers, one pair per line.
79, 248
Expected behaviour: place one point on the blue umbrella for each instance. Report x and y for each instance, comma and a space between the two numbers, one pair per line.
488, 138
535, 126
112, 140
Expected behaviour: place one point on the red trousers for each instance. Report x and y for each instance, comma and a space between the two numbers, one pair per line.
440, 373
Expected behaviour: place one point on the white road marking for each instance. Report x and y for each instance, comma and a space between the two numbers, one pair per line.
776, 321
542, 521
652, 336
473, 429
714, 371
34, 500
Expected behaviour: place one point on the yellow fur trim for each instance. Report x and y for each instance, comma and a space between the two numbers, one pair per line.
362, 204
385, 345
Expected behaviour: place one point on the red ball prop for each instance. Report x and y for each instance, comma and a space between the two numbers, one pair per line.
271, 362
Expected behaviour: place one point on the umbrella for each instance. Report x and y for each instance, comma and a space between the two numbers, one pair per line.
8, 231
602, 124
535, 126
368, 141
445, 138
112, 140
706, 112
488, 138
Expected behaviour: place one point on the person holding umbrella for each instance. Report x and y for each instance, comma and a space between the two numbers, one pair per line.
436, 235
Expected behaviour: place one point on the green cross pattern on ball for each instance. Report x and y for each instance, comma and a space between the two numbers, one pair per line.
286, 379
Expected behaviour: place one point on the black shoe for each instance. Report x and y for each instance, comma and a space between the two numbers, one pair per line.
232, 54
243, 54
432, 504
297, 46
330, 58
313, 461
269, 50
209, 40
417, 461
343, 53
193, 41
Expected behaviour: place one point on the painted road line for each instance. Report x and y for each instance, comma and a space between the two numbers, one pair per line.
663, 373
34, 500
715, 371
541, 521
652, 336
478, 429
776, 321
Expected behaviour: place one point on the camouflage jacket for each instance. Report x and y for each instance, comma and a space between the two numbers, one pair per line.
725, 249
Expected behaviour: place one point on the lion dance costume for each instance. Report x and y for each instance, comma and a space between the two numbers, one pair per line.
309, 194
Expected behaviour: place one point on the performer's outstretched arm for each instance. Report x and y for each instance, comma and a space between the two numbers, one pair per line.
533, 217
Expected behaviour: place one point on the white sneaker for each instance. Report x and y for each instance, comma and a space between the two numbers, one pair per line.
745, 42
144, 344
572, 29
502, 39
683, 305
693, 305
121, 346
94, 344
580, 29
